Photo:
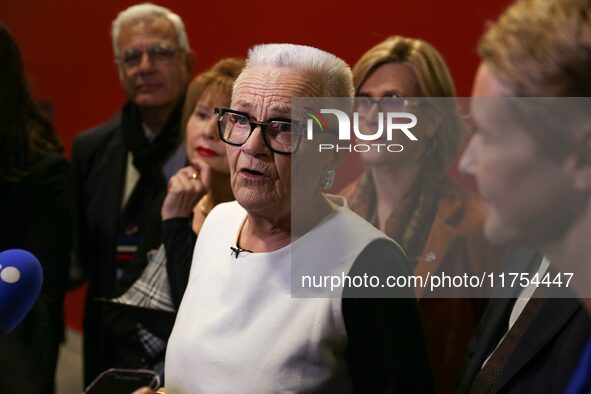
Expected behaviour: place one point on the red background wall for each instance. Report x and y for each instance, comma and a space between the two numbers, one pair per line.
68, 54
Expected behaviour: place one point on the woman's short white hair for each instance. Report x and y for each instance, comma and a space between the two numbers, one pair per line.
332, 73
147, 10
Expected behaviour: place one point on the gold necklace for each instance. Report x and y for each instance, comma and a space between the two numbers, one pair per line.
204, 205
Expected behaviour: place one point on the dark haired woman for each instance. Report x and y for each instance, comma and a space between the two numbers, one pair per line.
35, 211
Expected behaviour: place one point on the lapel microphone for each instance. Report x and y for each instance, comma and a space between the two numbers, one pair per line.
237, 251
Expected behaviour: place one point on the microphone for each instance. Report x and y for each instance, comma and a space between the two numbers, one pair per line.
236, 251
21, 278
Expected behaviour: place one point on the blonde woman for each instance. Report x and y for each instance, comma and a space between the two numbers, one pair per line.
410, 196
197, 188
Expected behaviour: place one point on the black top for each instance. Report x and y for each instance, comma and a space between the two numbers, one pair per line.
179, 241
386, 349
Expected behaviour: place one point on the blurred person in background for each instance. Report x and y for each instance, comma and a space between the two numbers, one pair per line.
36, 215
158, 276
410, 196
122, 166
208, 173
531, 159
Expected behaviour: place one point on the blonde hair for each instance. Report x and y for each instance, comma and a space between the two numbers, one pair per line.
432, 77
541, 48
220, 77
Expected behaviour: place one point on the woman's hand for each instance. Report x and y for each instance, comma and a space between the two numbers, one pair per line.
185, 189
144, 390
147, 390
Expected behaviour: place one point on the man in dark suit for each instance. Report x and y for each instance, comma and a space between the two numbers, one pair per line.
545, 356
531, 162
121, 166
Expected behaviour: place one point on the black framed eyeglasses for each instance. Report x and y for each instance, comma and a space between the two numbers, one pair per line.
159, 53
281, 135
393, 103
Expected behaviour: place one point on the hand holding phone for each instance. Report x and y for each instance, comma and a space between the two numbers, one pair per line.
123, 381
144, 390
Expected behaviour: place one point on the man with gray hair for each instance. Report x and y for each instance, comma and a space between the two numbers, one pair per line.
122, 166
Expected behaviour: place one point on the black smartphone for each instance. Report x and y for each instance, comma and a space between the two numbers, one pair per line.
123, 381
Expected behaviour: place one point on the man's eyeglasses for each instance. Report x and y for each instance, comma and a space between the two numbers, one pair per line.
158, 53
281, 135
394, 103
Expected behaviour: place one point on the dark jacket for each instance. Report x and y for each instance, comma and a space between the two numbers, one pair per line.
99, 160
547, 354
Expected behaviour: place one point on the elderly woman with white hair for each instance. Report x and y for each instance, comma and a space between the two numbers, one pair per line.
239, 327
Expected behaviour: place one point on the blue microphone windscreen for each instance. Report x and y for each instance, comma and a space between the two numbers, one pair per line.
21, 278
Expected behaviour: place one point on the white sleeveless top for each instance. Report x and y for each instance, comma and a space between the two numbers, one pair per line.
239, 330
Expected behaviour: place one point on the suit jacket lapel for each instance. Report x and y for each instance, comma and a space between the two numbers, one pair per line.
516, 260
489, 332
494, 323
554, 315
109, 193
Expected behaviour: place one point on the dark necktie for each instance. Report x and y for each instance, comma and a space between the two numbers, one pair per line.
491, 371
